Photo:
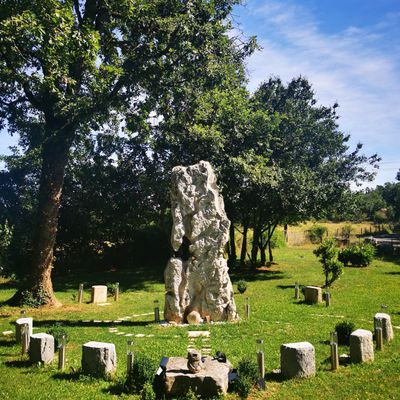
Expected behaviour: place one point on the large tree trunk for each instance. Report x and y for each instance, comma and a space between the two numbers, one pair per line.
255, 245
54, 160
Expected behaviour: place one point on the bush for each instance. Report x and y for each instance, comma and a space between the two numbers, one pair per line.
358, 254
111, 289
141, 374
344, 330
346, 232
278, 240
147, 393
247, 377
316, 233
57, 331
34, 300
241, 286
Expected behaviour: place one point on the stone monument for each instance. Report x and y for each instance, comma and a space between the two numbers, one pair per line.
196, 277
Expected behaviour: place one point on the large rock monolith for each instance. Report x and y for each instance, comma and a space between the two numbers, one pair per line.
196, 277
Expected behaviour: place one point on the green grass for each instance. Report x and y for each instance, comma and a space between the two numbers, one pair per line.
275, 316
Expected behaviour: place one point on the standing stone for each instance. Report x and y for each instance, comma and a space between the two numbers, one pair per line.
312, 294
99, 359
361, 346
387, 329
196, 278
298, 360
41, 348
18, 327
99, 294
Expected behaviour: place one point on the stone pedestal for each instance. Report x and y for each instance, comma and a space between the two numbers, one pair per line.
361, 346
41, 348
298, 360
211, 381
18, 327
312, 294
387, 329
99, 359
99, 294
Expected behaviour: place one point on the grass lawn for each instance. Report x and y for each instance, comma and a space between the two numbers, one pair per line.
275, 316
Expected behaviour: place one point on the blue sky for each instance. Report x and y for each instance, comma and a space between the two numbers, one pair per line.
349, 51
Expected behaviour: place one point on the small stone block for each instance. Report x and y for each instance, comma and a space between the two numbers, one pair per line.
312, 294
99, 294
18, 326
99, 359
361, 346
41, 348
387, 329
298, 360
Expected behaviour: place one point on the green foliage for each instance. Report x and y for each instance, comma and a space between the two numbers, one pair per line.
358, 254
241, 286
147, 392
190, 395
327, 254
347, 230
247, 377
6, 233
111, 289
57, 331
278, 240
344, 329
34, 299
316, 233
142, 374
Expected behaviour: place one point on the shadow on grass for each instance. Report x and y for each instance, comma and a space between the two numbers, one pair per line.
254, 276
275, 376
285, 286
91, 323
392, 273
68, 376
116, 389
18, 364
7, 343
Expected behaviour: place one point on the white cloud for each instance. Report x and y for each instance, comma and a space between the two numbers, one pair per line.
352, 66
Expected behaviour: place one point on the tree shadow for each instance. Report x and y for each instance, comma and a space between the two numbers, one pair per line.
18, 363
91, 323
285, 286
275, 376
68, 376
254, 276
7, 343
392, 273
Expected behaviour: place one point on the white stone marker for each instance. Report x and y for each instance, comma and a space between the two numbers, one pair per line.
99, 294
99, 359
312, 294
18, 325
298, 360
41, 348
387, 328
361, 346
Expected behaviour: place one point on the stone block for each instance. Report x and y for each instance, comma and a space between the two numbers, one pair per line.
212, 380
41, 348
99, 359
298, 360
361, 346
99, 294
312, 294
387, 329
18, 327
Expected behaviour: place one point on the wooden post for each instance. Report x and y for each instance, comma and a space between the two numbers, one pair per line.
156, 311
296, 291
25, 338
247, 308
334, 352
80, 293
327, 299
61, 354
129, 356
261, 363
116, 294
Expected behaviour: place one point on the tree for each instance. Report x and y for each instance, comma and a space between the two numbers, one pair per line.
309, 156
68, 68
328, 253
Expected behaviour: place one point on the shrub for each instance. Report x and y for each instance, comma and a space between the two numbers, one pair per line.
241, 286
57, 331
142, 373
34, 300
247, 377
316, 233
358, 254
327, 254
278, 240
344, 330
111, 289
147, 393
346, 232
5, 240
